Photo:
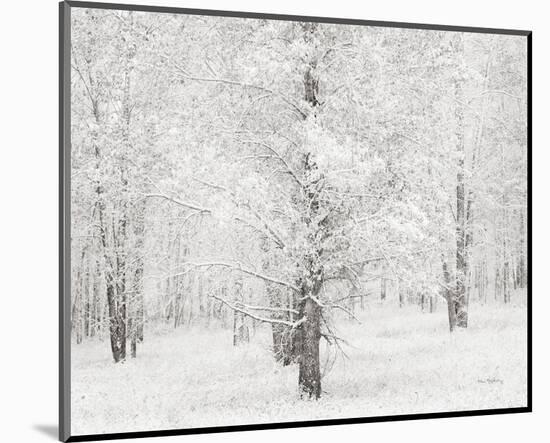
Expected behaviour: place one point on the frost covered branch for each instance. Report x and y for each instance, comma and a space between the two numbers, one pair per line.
274, 236
238, 267
240, 308
280, 157
183, 73
180, 203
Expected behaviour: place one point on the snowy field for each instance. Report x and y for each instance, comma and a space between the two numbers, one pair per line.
400, 361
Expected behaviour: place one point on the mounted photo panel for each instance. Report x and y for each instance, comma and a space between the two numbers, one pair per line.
273, 221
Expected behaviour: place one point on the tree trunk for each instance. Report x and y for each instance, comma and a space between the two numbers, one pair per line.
497, 282
309, 332
117, 328
121, 290
432, 301
506, 282
140, 311
133, 337
241, 333
449, 296
309, 379
240, 329
460, 299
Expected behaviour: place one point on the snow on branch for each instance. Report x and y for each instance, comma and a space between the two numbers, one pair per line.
239, 267
346, 310
239, 307
271, 231
331, 306
181, 203
352, 296
182, 72
385, 257
278, 156
495, 91
268, 308
202, 210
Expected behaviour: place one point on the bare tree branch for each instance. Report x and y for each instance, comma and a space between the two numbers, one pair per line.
238, 267
188, 76
258, 318
180, 203
266, 308
279, 156
346, 310
274, 236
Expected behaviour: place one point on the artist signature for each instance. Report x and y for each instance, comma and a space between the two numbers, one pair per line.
491, 380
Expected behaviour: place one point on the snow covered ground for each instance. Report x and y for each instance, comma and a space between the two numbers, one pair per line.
401, 361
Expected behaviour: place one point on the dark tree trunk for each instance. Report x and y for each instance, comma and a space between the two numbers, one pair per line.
461, 263
308, 334
117, 327
520, 273
497, 282
140, 312
506, 282
133, 337
309, 367
449, 296
451, 311
134, 346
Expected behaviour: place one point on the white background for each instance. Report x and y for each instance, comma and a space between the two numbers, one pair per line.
28, 218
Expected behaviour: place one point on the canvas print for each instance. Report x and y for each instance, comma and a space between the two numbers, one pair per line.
279, 221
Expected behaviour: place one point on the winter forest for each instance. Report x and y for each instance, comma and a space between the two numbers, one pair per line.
278, 221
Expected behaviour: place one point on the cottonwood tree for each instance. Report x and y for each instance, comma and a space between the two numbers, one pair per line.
310, 195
